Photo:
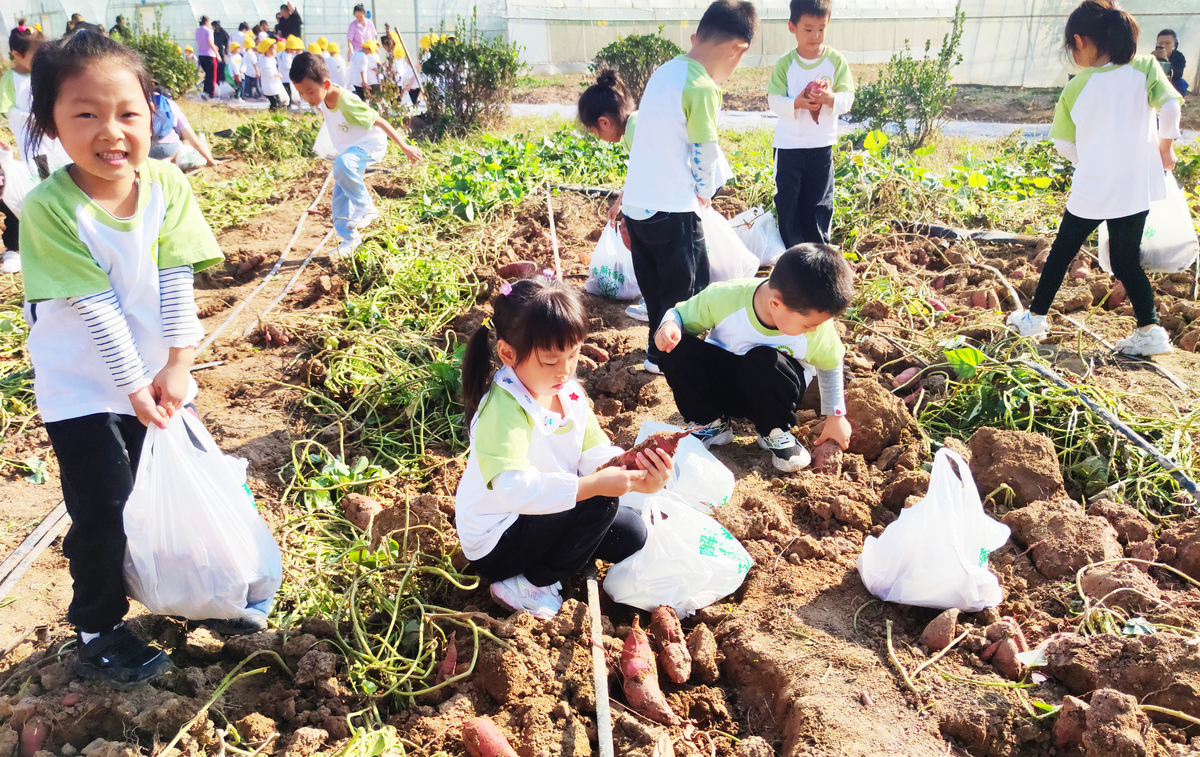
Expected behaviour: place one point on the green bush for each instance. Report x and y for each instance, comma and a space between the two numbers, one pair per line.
636, 57
163, 59
471, 79
908, 87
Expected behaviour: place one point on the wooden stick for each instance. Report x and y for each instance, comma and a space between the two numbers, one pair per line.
266, 280
18, 563
940, 654
291, 283
896, 661
599, 668
553, 236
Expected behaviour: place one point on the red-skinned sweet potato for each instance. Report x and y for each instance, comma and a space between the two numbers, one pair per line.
827, 458
672, 650
667, 441
482, 738
813, 89
249, 264
641, 678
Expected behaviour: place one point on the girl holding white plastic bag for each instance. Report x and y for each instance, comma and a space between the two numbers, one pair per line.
110, 245
532, 509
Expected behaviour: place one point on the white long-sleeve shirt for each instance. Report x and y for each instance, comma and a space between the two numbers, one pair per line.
796, 129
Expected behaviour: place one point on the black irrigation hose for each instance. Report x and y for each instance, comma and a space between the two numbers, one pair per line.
1167, 463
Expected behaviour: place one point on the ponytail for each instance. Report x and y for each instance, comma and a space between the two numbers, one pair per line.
476, 370
608, 98
1113, 31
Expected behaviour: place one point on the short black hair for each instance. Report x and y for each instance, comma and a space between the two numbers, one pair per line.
57, 61
308, 67
728, 19
814, 278
819, 8
1168, 33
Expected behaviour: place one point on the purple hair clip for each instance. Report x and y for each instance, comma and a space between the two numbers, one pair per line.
506, 289
548, 273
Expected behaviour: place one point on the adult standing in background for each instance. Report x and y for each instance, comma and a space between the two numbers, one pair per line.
206, 51
120, 30
221, 39
74, 21
290, 23
361, 29
1166, 49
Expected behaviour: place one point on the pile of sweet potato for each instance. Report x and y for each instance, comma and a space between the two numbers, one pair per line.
640, 669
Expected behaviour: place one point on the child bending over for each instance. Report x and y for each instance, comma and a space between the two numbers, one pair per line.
531, 509
765, 337
110, 245
360, 136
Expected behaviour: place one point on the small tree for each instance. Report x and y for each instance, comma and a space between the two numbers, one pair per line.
636, 57
471, 79
163, 59
912, 88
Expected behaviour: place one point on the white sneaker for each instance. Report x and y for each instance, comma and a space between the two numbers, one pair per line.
1026, 323
1155, 341
786, 453
516, 593
365, 220
12, 262
638, 312
715, 434
345, 248
651, 367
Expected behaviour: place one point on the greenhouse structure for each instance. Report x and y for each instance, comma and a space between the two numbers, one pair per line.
1005, 42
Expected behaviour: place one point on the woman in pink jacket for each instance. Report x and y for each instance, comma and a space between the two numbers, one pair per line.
361, 28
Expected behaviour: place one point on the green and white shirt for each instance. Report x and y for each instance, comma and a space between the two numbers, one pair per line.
726, 312
677, 114
1105, 123
16, 102
73, 248
524, 460
796, 129
352, 124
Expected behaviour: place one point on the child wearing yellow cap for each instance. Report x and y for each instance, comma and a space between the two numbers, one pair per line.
396, 63
336, 64
269, 78
360, 137
363, 69
286, 51
234, 71
250, 87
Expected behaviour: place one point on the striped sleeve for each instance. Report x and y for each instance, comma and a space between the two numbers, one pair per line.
181, 324
105, 321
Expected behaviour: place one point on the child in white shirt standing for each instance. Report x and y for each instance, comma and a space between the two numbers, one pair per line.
233, 68
1116, 121
268, 74
336, 64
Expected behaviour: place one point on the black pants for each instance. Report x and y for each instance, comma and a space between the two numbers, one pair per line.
555, 547
276, 102
670, 261
764, 386
97, 458
414, 94
288, 88
804, 194
209, 65
221, 70
12, 228
362, 92
1125, 254
250, 87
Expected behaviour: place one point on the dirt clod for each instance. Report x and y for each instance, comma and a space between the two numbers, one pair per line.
1120, 585
203, 644
755, 746
1184, 540
1065, 538
1024, 462
877, 416
1071, 722
1130, 525
359, 509
1115, 726
306, 742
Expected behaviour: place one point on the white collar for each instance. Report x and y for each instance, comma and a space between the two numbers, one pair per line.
545, 420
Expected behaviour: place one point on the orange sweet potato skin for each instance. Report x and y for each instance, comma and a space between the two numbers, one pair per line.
672, 650
667, 441
641, 678
482, 738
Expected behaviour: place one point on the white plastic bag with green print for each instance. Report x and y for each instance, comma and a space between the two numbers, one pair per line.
698, 476
936, 553
689, 560
612, 269
1169, 241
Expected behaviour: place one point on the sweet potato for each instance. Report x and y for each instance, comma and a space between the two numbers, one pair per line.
827, 458
672, 650
813, 89
903, 377
249, 264
33, 735
667, 441
482, 738
446, 670
359, 509
276, 336
599, 354
641, 678
1117, 298
522, 269
938, 305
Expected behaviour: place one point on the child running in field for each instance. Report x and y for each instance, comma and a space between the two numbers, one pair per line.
765, 339
359, 135
607, 110
111, 242
531, 509
807, 127
675, 161
1105, 125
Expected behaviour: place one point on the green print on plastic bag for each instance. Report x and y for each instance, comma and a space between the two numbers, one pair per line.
983, 556
609, 280
713, 543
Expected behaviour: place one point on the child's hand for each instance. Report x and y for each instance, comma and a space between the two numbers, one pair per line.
412, 152
836, 428
658, 466
170, 386
668, 336
804, 102
1167, 152
824, 97
614, 211
610, 482
146, 409
705, 202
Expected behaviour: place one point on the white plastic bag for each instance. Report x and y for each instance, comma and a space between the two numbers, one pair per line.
1169, 241
17, 181
224, 91
728, 257
689, 560
612, 268
698, 477
323, 146
196, 546
759, 231
189, 157
936, 553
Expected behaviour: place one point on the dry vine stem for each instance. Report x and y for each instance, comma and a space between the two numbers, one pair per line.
940, 654
896, 661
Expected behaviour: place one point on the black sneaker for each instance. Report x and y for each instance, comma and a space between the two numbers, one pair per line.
121, 659
235, 626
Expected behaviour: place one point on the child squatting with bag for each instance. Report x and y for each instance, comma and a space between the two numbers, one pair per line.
111, 243
1105, 125
532, 509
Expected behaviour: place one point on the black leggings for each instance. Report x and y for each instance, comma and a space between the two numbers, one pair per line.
1125, 255
276, 102
555, 547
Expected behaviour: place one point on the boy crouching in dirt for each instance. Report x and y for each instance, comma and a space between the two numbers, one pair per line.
765, 338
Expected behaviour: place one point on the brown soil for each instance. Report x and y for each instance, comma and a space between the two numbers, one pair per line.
798, 658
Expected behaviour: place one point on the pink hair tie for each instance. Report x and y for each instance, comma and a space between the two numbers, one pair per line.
21, 28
